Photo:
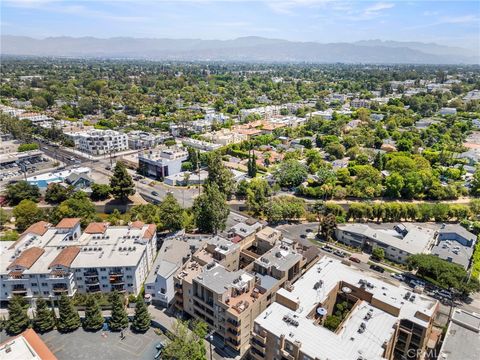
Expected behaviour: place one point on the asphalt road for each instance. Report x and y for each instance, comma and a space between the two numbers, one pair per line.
60, 154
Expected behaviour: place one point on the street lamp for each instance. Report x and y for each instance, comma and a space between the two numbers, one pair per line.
210, 338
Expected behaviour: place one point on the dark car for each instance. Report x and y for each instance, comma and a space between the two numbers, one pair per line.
377, 268
354, 259
154, 193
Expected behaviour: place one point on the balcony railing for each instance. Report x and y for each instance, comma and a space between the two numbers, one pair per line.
90, 273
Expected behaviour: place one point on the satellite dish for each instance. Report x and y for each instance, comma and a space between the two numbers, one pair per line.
346, 290
321, 311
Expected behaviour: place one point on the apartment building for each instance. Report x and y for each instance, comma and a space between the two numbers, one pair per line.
398, 243
159, 285
201, 145
143, 140
225, 137
161, 163
377, 320
100, 142
214, 288
48, 261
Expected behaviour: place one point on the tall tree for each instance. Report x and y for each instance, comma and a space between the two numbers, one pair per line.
93, 315
171, 213
185, 344
258, 193
141, 320
68, 319
252, 166
22, 190
291, 173
56, 193
220, 175
119, 317
121, 183
211, 209
44, 318
27, 213
18, 319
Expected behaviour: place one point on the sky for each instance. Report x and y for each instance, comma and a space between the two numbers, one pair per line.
454, 23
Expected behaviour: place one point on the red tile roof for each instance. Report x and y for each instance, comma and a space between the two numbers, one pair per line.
151, 230
96, 228
27, 258
137, 224
68, 223
35, 342
39, 228
65, 257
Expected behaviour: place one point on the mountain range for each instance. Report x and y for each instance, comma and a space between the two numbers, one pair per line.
252, 48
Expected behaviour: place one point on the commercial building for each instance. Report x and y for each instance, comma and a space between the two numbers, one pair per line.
161, 163
47, 261
213, 287
100, 142
398, 243
159, 285
373, 319
462, 339
25, 346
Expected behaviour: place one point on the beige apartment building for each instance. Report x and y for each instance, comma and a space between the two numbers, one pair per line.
213, 288
379, 320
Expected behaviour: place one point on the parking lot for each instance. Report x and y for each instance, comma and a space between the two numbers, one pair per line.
82, 345
12, 170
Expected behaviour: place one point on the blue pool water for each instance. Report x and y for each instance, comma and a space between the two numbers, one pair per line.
44, 183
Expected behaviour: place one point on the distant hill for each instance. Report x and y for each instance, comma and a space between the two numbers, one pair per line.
251, 48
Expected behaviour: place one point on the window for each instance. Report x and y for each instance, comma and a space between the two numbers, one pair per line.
104, 278
162, 291
45, 293
43, 275
103, 269
34, 284
35, 293
104, 285
44, 284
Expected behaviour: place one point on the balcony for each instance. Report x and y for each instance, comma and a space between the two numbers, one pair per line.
119, 288
93, 289
259, 338
286, 355
92, 281
90, 273
255, 354
60, 289
260, 348
118, 280
20, 291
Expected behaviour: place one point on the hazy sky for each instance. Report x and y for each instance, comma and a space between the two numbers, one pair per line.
446, 22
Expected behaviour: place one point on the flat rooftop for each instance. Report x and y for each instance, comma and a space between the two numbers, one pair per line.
462, 341
318, 341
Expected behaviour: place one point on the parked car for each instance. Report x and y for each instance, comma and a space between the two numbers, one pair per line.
339, 253
399, 277
354, 259
327, 249
377, 268
154, 193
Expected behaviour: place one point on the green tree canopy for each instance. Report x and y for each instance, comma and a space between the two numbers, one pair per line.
211, 209
27, 213
56, 193
121, 183
45, 319
68, 318
93, 315
291, 173
171, 213
185, 344
100, 192
18, 320
22, 190
119, 317
218, 174
141, 320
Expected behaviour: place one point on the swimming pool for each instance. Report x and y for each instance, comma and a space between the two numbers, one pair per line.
42, 184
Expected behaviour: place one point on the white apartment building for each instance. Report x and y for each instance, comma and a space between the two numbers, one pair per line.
162, 163
101, 142
47, 261
200, 145
11, 110
144, 140
159, 284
